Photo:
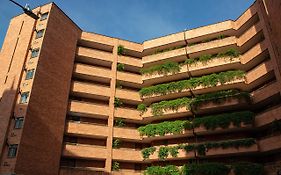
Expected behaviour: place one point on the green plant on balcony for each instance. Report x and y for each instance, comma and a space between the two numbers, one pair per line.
115, 166
246, 168
204, 59
205, 81
142, 108
206, 169
161, 107
163, 152
146, 152
120, 67
218, 97
168, 67
118, 85
116, 143
117, 102
173, 127
120, 50
167, 170
224, 120
119, 122
168, 49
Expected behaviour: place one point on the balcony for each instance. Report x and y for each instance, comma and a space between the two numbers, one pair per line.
86, 130
79, 108
93, 73
84, 151
271, 143
129, 79
128, 134
267, 117
97, 41
128, 114
95, 57
90, 90
131, 97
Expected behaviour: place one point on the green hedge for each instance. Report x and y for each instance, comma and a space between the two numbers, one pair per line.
209, 122
217, 97
120, 67
205, 81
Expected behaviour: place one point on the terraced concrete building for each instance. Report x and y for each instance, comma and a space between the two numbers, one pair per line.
77, 103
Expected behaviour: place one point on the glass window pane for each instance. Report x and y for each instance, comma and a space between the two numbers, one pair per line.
34, 53
44, 16
29, 74
39, 33
24, 97
12, 152
19, 122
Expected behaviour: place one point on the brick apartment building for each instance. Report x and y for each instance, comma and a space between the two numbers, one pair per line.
81, 103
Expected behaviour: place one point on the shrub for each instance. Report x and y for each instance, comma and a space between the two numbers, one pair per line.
167, 170
163, 152
119, 122
117, 102
206, 169
115, 166
120, 67
146, 152
168, 67
116, 143
120, 50
142, 108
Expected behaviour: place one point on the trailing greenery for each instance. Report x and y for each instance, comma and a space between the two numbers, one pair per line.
118, 84
232, 53
142, 108
120, 50
208, 40
168, 49
246, 168
224, 120
116, 143
203, 147
167, 127
115, 166
205, 81
209, 122
117, 102
168, 67
119, 122
159, 108
206, 169
174, 67
146, 152
167, 170
212, 168
217, 97
120, 67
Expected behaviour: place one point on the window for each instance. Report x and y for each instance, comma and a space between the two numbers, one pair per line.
19, 122
24, 97
29, 74
39, 33
44, 16
12, 152
34, 53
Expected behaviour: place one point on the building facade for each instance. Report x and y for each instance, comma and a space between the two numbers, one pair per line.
80, 103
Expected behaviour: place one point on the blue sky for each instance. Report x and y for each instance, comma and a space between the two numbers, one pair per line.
135, 20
